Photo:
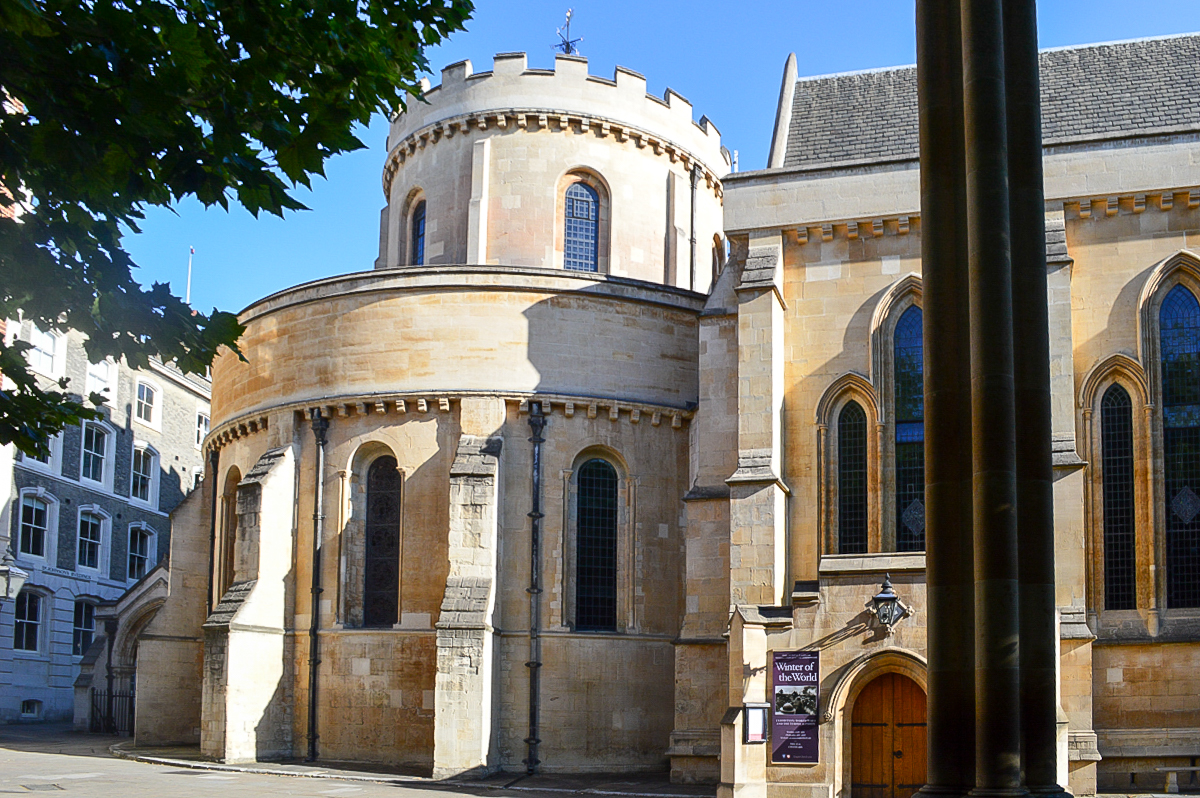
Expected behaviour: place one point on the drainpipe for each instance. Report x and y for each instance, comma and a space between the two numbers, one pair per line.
695, 177
319, 426
537, 422
214, 458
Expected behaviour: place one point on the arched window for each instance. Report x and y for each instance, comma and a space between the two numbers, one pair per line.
910, 432
381, 572
852, 479
225, 562
596, 548
417, 239
1116, 435
1179, 328
582, 228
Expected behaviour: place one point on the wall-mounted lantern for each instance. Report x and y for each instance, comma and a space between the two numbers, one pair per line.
12, 578
887, 607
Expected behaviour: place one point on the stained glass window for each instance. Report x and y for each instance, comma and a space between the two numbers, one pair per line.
381, 580
582, 228
1179, 324
596, 548
910, 432
852, 480
417, 256
1116, 432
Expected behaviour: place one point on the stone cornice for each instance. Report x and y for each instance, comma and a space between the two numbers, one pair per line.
543, 119
478, 278
401, 404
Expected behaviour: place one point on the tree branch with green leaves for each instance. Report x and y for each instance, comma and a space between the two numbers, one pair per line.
108, 107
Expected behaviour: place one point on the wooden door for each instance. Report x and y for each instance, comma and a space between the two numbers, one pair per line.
887, 739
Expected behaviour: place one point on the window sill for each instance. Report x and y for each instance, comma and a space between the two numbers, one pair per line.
882, 562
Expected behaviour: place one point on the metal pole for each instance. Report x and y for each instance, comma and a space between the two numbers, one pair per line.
537, 423
319, 426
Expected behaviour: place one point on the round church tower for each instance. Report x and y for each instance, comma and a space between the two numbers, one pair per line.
498, 411
555, 169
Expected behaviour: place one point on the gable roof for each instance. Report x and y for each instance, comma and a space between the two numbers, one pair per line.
1094, 92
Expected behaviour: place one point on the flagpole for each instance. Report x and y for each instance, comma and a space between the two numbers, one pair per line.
187, 297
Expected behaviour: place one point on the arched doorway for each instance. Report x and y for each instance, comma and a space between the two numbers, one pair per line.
887, 739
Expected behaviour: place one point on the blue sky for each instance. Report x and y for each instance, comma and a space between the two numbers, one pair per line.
726, 59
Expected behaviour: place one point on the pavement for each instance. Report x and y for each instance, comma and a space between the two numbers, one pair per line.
55, 757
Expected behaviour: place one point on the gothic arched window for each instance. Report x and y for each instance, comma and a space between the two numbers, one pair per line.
852, 479
416, 255
582, 228
596, 548
1116, 435
1179, 328
381, 571
910, 432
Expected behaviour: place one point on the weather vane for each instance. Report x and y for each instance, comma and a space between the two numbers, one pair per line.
567, 46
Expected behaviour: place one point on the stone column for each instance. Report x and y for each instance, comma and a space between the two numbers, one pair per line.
1031, 347
993, 411
949, 550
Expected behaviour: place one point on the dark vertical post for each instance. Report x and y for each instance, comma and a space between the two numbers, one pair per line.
214, 461
993, 411
320, 426
949, 557
537, 423
1031, 346
110, 714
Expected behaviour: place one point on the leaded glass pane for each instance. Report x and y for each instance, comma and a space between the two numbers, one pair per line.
1179, 323
596, 548
381, 581
1116, 431
908, 381
852, 480
417, 256
582, 222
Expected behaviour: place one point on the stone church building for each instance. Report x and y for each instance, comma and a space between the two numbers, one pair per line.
609, 429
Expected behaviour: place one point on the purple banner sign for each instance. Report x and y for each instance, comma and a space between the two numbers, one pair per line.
795, 696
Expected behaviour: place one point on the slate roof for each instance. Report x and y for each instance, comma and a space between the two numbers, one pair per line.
1093, 92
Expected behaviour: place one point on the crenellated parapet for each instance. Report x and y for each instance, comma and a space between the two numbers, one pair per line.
565, 99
